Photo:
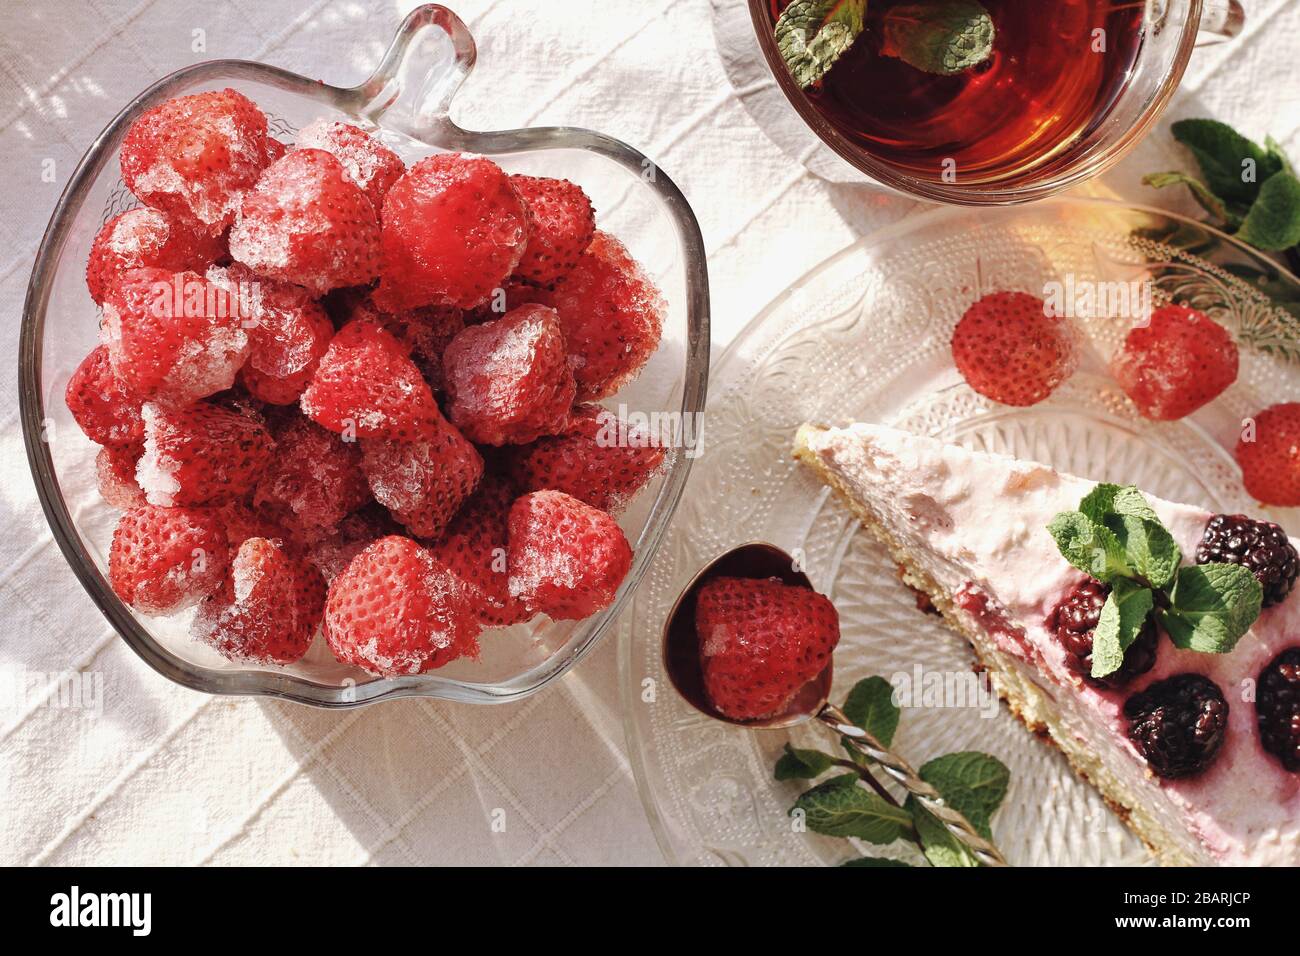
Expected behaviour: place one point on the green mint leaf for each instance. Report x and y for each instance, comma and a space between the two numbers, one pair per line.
1107, 499
1275, 150
940, 847
971, 782
1222, 153
802, 764
1273, 223
1212, 606
876, 861
871, 706
1200, 192
1122, 618
839, 807
939, 36
1090, 546
1149, 549
813, 34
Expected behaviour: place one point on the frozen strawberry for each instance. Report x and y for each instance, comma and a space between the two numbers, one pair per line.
596, 459
194, 156
288, 333
397, 611
334, 552
561, 224
241, 521
369, 163
423, 483
474, 548
274, 150
106, 411
507, 298
307, 223
165, 559
173, 337
566, 558
612, 316
760, 641
147, 237
367, 387
509, 380
314, 479
1269, 455
267, 608
1009, 349
200, 454
115, 476
427, 332
1177, 363
454, 229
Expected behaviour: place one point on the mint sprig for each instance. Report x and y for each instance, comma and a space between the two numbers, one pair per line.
1116, 537
813, 34
944, 37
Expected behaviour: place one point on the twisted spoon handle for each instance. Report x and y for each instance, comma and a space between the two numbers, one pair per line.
902, 771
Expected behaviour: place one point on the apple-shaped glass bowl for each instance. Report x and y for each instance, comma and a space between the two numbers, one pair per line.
406, 104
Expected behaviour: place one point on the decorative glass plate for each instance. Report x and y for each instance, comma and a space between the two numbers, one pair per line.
865, 336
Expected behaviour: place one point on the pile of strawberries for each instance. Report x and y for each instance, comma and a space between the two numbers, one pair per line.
1010, 347
337, 393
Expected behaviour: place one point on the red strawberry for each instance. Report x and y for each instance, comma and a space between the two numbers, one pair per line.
509, 379
507, 298
612, 316
115, 477
453, 230
561, 224
201, 454
274, 150
367, 387
595, 459
760, 641
1179, 362
173, 336
314, 480
267, 608
194, 156
427, 332
147, 237
423, 483
165, 559
1008, 349
333, 553
396, 611
474, 548
566, 558
369, 163
101, 404
241, 522
1269, 455
307, 223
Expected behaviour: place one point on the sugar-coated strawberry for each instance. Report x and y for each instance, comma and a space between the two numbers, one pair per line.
367, 387
596, 459
194, 156
308, 223
453, 230
1269, 455
474, 548
566, 558
1179, 362
115, 477
165, 559
561, 225
267, 608
424, 482
1009, 349
101, 404
314, 479
173, 337
288, 333
509, 380
397, 611
147, 237
369, 163
760, 641
332, 553
201, 453
612, 316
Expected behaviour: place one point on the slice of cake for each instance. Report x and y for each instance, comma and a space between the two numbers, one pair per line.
1198, 752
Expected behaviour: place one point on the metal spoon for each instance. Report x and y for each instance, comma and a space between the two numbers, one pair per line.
681, 650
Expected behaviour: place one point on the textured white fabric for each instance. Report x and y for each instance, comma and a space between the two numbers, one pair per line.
165, 775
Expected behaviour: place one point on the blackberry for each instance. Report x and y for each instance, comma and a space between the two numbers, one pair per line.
1178, 724
1277, 703
1260, 546
1073, 622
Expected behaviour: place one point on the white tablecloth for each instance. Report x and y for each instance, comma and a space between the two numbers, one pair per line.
165, 775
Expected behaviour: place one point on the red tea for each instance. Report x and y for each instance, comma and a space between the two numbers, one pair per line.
1050, 80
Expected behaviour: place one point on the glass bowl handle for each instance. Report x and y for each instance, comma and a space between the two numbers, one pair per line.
1220, 20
